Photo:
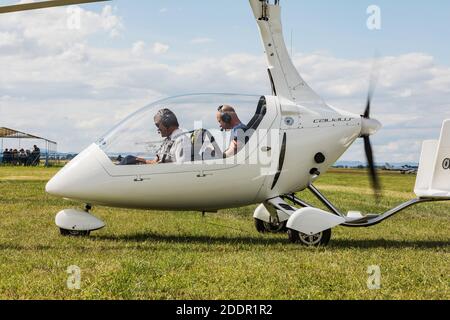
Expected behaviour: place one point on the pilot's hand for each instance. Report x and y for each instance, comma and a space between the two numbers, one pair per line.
145, 161
155, 161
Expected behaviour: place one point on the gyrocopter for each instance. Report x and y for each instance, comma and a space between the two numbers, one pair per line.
291, 139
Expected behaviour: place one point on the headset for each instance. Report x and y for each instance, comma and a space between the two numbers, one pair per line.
224, 116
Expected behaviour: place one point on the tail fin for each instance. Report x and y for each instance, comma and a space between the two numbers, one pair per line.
433, 178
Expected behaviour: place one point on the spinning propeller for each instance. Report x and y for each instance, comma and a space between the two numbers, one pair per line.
43, 4
370, 127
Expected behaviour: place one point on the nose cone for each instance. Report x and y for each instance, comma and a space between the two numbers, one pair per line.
78, 178
370, 126
54, 185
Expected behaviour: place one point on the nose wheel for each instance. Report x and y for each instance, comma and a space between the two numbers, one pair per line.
73, 233
274, 226
317, 240
77, 223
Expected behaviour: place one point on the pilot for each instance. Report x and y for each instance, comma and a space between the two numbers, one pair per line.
176, 145
229, 121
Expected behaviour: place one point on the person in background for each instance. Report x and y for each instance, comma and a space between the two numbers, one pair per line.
5, 156
22, 157
15, 157
29, 159
8, 155
36, 155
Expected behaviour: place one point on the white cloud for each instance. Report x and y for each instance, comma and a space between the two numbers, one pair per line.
138, 48
110, 22
160, 48
8, 39
47, 32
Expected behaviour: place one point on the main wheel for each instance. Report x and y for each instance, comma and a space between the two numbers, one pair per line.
74, 233
270, 227
316, 240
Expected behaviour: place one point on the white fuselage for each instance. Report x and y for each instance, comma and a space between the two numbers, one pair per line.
211, 185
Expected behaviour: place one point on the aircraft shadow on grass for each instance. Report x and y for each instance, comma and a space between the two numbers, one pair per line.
240, 240
186, 239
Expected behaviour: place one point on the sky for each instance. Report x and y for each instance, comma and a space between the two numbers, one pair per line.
71, 80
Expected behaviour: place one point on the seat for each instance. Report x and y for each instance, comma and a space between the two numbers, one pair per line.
204, 146
261, 111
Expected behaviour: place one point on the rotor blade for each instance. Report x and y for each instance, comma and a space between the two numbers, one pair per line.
43, 4
371, 162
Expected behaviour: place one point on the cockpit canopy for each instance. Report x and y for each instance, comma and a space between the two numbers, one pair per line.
138, 136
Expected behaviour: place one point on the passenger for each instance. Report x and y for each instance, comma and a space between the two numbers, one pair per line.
176, 147
229, 121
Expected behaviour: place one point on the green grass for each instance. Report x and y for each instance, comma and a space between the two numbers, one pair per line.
164, 255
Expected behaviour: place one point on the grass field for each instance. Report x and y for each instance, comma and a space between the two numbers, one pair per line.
163, 255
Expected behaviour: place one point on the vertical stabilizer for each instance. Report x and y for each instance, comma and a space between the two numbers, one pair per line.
433, 178
441, 177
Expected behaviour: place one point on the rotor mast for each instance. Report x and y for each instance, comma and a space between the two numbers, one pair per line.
285, 79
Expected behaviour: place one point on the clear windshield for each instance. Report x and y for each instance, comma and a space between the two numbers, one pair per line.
139, 136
